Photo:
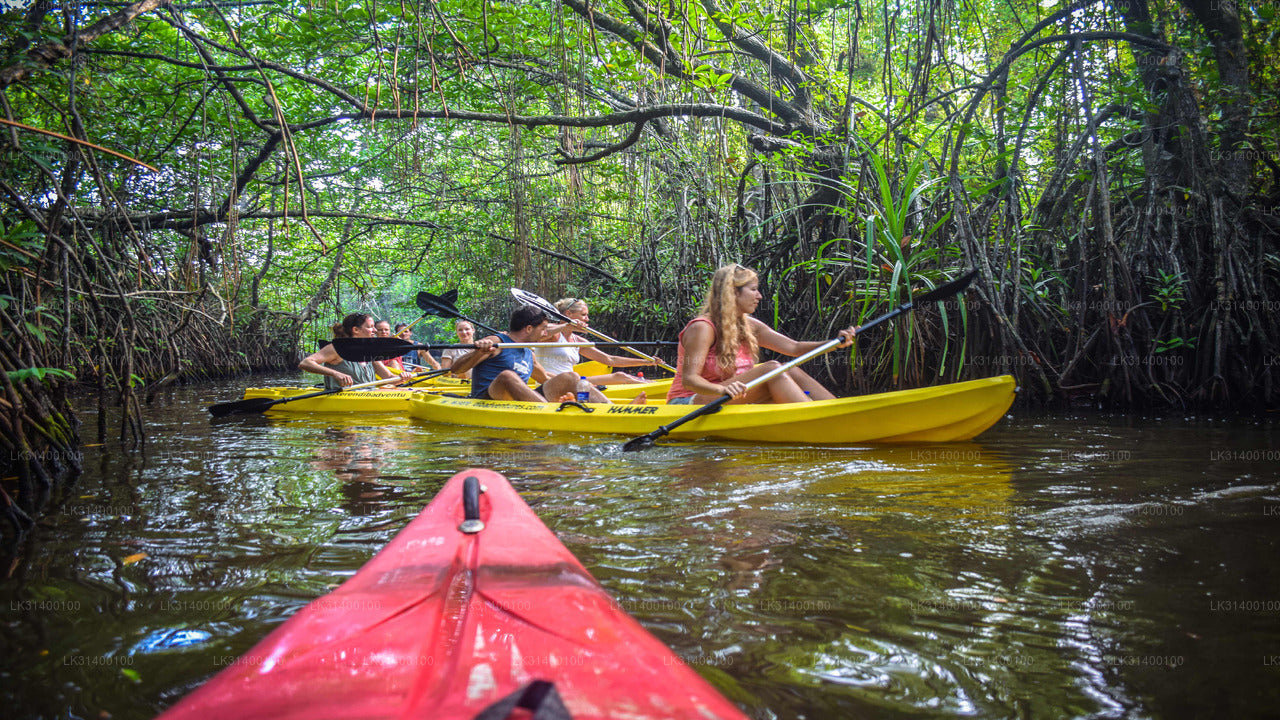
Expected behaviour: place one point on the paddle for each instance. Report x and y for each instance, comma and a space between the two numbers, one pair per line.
257, 405
942, 292
449, 296
529, 298
370, 349
442, 305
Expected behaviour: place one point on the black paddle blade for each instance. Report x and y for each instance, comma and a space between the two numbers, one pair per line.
942, 292
644, 442
252, 405
370, 349
436, 305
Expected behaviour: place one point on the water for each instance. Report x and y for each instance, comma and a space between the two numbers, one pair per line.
1070, 566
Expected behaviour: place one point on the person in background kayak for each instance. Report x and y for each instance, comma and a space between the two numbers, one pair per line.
421, 358
466, 333
339, 373
382, 329
719, 349
558, 360
503, 373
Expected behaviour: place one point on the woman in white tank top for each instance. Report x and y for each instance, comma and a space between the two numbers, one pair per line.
557, 360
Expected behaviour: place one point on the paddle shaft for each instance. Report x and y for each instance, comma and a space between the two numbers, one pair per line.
714, 405
941, 292
264, 404
548, 307
370, 349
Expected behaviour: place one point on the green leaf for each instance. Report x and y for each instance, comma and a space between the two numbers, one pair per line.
38, 373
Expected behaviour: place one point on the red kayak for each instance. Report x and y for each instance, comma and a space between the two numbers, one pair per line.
470, 612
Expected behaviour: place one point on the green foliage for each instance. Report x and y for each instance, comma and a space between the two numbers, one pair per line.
381, 164
899, 247
1168, 289
41, 374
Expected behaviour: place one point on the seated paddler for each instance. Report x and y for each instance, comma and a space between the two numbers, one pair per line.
499, 373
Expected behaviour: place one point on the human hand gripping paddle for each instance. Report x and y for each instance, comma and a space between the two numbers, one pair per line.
529, 298
370, 349
442, 306
942, 292
257, 405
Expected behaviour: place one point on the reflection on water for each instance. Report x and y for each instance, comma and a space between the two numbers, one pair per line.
1085, 566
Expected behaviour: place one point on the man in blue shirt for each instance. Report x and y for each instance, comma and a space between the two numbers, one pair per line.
499, 373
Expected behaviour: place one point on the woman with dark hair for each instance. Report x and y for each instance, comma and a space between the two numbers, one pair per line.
339, 373
719, 349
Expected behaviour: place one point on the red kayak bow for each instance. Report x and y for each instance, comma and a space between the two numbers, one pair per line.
463, 615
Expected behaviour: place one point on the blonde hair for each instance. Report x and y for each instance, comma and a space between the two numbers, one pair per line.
721, 308
564, 305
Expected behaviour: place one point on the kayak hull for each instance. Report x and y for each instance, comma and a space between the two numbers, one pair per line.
396, 400
946, 413
443, 624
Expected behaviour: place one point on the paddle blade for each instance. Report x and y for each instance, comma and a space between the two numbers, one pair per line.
525, 297
438, 306
644, 442
252, 405
370, 349
942, 292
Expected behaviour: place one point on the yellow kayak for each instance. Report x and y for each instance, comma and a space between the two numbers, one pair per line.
945, 413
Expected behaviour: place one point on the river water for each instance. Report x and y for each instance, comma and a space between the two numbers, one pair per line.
1059, 566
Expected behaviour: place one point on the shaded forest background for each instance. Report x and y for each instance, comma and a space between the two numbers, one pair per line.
197, 189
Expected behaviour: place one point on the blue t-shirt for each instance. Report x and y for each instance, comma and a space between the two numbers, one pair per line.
518, 359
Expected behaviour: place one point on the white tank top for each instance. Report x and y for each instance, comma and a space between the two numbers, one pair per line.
558, 360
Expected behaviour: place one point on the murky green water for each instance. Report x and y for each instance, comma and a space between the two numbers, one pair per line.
1080, 566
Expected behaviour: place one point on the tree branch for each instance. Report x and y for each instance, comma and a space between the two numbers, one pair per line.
46, 55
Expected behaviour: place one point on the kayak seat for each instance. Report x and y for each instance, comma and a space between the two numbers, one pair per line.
538, 697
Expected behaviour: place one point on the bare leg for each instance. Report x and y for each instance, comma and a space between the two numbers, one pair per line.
566, 384
806, 382
509, 386
779, 389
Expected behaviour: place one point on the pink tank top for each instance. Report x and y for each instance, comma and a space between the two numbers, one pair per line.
711, 367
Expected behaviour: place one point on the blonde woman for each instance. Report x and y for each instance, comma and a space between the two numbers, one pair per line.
558, 360
466, 333
720, 347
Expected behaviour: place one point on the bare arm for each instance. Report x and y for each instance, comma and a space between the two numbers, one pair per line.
484, 349
767, 337
382, 372
697, 341
431, 361
539, 373
614, 360
318, 363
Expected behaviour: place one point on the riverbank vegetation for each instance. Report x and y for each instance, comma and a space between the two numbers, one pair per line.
199, 189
